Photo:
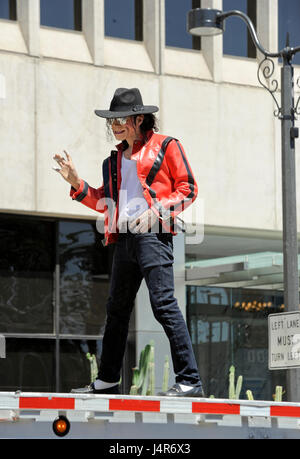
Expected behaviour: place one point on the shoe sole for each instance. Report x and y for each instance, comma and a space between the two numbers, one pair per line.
112, 390
181, 395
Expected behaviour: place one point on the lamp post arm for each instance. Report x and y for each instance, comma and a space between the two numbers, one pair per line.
295, 50
225, 15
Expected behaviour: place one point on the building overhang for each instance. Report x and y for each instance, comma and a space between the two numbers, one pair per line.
262, 270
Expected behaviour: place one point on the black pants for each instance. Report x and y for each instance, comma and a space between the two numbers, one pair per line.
149, 256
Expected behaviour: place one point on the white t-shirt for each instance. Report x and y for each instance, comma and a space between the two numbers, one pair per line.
131, 199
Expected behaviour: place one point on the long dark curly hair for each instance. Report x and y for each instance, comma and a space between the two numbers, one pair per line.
149, 122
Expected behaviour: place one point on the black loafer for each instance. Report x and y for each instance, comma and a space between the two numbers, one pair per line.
91, 390
176, 391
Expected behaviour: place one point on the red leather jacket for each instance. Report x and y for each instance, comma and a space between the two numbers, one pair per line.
165, 175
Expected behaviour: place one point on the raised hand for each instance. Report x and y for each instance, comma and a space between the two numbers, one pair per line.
67, 169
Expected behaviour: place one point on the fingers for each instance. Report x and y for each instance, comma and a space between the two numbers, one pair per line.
144, 222
134, 226
58, 157
60, 161
140, 224
142, 228
67, 155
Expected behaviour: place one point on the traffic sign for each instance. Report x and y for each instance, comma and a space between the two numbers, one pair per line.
284, 340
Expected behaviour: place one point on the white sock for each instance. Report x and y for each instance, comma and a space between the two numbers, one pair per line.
99, 385
185, 388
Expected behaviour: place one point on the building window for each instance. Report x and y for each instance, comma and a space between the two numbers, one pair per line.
54, 281
288, 23
29, 365
63, 14
8, 9
176, 19
26, 275
235, 282
236, 38
124, 19
229, 326
83, 279
47, 365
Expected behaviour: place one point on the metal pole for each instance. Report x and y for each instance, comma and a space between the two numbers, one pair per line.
289, 209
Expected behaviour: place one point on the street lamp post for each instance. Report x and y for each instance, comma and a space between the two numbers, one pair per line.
209, 22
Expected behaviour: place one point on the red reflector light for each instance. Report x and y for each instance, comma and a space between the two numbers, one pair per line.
61, 426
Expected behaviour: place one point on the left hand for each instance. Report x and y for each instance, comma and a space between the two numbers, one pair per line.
143, 223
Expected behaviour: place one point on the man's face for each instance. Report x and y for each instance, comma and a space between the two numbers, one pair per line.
122, 128
125, 128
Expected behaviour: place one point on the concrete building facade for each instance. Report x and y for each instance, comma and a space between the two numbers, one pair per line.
52, 80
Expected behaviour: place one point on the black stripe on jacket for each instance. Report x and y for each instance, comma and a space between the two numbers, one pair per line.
114, 174
165, 213
191, 180
158, 161
106, 177
84, 192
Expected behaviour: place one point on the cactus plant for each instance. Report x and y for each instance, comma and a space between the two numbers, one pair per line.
165, 383
143, 378
93, 366
151, 379
278, 394
151, 372
249, 395
140, 379
234, 390
231, 382
238, 387
133, 390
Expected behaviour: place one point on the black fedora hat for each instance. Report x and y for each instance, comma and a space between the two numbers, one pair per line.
126, 102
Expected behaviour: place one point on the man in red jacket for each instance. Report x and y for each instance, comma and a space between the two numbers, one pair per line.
147, 182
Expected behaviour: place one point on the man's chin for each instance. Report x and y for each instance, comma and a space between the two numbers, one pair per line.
121, 136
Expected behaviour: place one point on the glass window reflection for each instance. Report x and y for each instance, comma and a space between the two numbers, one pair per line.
64, 14
29, 365
84, 279
236, 38
8, 9
27, 259
229, 327
176, 29
33, 297
288, 22
76, 366
124, 19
